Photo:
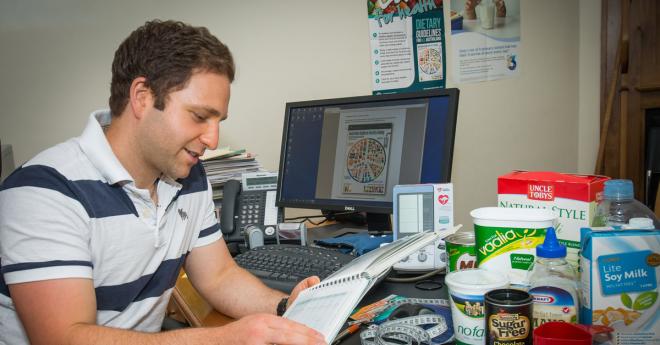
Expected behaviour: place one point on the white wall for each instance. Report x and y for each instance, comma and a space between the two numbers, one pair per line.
589, 85
56, 56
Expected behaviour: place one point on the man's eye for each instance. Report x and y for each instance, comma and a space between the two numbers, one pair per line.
197, 116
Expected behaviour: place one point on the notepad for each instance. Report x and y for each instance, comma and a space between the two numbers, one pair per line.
325, 307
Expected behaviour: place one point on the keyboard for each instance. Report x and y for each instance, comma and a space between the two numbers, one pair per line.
282, 266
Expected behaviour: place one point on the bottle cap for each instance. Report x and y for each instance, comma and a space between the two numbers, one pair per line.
640, 223
618, 190
551, 248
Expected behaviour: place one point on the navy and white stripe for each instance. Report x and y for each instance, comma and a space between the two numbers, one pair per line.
97, 197
74, 212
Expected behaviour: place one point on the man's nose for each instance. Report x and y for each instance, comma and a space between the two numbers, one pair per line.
210, 137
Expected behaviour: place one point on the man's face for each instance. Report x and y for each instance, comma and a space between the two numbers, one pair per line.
172, 140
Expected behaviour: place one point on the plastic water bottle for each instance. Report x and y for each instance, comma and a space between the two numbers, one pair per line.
619, 206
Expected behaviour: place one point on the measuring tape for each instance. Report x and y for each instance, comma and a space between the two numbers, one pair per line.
407, 330
434, 301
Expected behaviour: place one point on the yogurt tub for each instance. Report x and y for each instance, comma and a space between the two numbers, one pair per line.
466, 295
506, 239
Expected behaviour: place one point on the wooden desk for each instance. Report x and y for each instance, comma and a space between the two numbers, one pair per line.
188, 305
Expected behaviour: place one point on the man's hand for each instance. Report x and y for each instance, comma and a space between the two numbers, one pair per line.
307, 283
268, 329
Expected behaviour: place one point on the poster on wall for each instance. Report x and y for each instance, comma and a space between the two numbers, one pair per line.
485, 39
407, 45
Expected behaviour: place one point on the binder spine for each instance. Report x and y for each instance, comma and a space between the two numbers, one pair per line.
337, 281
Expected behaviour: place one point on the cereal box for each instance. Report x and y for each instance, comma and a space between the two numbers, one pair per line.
620, 271
573, 199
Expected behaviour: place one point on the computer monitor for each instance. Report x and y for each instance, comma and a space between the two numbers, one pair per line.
347, 154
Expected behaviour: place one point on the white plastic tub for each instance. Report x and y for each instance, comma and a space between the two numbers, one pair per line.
506, 239
466, 294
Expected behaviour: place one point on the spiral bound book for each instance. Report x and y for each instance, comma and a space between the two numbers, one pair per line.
327, 305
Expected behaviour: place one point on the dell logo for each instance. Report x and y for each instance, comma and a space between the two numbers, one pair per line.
349, 208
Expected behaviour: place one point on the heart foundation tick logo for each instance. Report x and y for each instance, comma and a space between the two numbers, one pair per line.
443, 199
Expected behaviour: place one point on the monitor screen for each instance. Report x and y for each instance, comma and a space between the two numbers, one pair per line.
347, 154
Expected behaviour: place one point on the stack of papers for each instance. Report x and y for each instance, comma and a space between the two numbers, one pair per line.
225, 164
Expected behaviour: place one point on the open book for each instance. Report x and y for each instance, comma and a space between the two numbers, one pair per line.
326, 306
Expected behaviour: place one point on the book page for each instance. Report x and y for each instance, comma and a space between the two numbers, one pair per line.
326, 306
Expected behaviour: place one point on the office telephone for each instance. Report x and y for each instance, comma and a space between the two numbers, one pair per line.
248, 209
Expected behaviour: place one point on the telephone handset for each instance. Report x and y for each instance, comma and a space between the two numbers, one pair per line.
248, 205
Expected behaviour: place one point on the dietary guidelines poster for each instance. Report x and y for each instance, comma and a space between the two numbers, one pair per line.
407, 45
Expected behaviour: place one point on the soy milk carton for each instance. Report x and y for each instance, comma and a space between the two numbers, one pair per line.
620, 271
573, 199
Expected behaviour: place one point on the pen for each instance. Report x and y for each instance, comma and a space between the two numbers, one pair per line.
348, 331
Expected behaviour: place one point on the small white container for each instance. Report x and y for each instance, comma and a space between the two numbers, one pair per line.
466, 294
486, 14
506, 239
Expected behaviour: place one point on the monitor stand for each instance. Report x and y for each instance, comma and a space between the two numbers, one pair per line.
379, 223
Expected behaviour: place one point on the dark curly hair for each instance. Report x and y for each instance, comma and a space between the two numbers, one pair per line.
166, 53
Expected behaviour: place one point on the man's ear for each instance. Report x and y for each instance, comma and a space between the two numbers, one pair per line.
140, 98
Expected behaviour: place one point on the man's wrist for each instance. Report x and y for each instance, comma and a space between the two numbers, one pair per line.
281, 307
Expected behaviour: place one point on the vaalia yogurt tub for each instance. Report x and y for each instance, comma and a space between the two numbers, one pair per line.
466, 294
506, 239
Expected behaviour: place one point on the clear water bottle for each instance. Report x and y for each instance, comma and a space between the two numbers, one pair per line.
619, 206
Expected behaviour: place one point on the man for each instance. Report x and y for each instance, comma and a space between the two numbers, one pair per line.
93, 231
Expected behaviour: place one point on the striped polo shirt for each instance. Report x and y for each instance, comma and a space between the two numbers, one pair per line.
73, 211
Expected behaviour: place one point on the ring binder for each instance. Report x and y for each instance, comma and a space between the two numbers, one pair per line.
327, 305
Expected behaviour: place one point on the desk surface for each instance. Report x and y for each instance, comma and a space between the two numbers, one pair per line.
199, 314
193, 308
384, 289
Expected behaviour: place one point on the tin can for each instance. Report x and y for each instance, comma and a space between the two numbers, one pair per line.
460, 251
508, 317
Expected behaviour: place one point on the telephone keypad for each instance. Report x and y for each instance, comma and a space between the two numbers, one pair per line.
252, 205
